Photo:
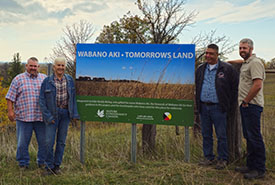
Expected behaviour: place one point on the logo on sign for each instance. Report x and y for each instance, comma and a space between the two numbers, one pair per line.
100, 113
167, 116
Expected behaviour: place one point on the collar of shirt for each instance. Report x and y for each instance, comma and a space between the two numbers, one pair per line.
250, 58
56, 79
212, 67
31, 75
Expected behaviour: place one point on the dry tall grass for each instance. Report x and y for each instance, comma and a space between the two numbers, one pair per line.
137, 90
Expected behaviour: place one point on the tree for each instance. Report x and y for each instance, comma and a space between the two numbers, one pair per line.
129, 29
162, 23
271, 64
77, 33
4, 68
4, 120
203, 40
15, 67
166, 20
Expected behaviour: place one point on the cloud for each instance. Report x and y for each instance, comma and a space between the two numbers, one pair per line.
14, 12
10, 5
226, 12
90, 6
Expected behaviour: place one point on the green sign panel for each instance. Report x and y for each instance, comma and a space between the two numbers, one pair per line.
136, 110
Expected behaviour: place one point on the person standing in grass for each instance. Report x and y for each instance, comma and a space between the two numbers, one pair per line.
22, 101
251, 101
216, 93
58, 104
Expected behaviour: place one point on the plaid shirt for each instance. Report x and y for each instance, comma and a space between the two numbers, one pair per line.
24, 93
61, 92
208, 90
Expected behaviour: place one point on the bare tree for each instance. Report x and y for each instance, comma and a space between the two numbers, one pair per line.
166, 20
76, 33
203, 40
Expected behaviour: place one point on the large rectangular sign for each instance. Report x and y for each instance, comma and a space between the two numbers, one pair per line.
136, 83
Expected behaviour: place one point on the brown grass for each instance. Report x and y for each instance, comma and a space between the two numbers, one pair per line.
137, 90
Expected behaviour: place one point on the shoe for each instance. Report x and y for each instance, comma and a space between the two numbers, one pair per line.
254, 174
56, 169
48, 172
242, 169
41, 166
221, 164
23, 167
207, 162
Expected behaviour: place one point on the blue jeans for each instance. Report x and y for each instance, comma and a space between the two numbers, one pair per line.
251, 122
24, 135
57, 131
213, 115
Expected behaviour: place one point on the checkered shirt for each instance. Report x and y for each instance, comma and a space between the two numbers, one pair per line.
61, 92
208, 90
24, 93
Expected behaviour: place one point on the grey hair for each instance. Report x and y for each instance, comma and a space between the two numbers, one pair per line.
248, 41
33, 59
60, 59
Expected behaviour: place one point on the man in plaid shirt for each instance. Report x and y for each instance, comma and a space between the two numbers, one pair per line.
22, 100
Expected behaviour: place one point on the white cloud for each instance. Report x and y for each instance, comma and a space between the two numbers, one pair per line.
226, 12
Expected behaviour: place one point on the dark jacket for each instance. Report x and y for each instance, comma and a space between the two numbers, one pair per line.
47, 99
226, 82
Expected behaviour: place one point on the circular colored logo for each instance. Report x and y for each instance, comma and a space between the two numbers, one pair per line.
167, 116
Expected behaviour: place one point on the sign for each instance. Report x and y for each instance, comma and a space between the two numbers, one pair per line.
136, 83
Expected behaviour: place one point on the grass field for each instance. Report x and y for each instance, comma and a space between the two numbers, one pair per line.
137, 90
107, 157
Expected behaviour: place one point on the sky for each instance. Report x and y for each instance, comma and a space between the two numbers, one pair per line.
144, 63
33, 27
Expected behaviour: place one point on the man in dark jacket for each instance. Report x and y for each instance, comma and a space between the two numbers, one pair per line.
216, 92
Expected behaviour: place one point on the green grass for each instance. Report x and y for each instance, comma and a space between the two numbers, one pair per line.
107, 157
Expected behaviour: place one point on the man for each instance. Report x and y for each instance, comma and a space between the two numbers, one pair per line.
251, 101
216, 92
58, 104
22, 101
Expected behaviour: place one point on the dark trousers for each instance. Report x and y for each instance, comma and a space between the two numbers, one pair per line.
251, 122
213, 115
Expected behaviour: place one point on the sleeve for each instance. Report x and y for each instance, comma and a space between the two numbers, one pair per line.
47, 116
257, 70
13, 90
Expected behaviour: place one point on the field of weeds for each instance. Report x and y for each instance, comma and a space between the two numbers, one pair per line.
107, 157
136, 90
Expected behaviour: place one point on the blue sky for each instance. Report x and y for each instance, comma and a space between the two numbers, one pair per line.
147, 67
32, 27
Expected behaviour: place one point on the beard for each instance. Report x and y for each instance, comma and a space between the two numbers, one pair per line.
245, 55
